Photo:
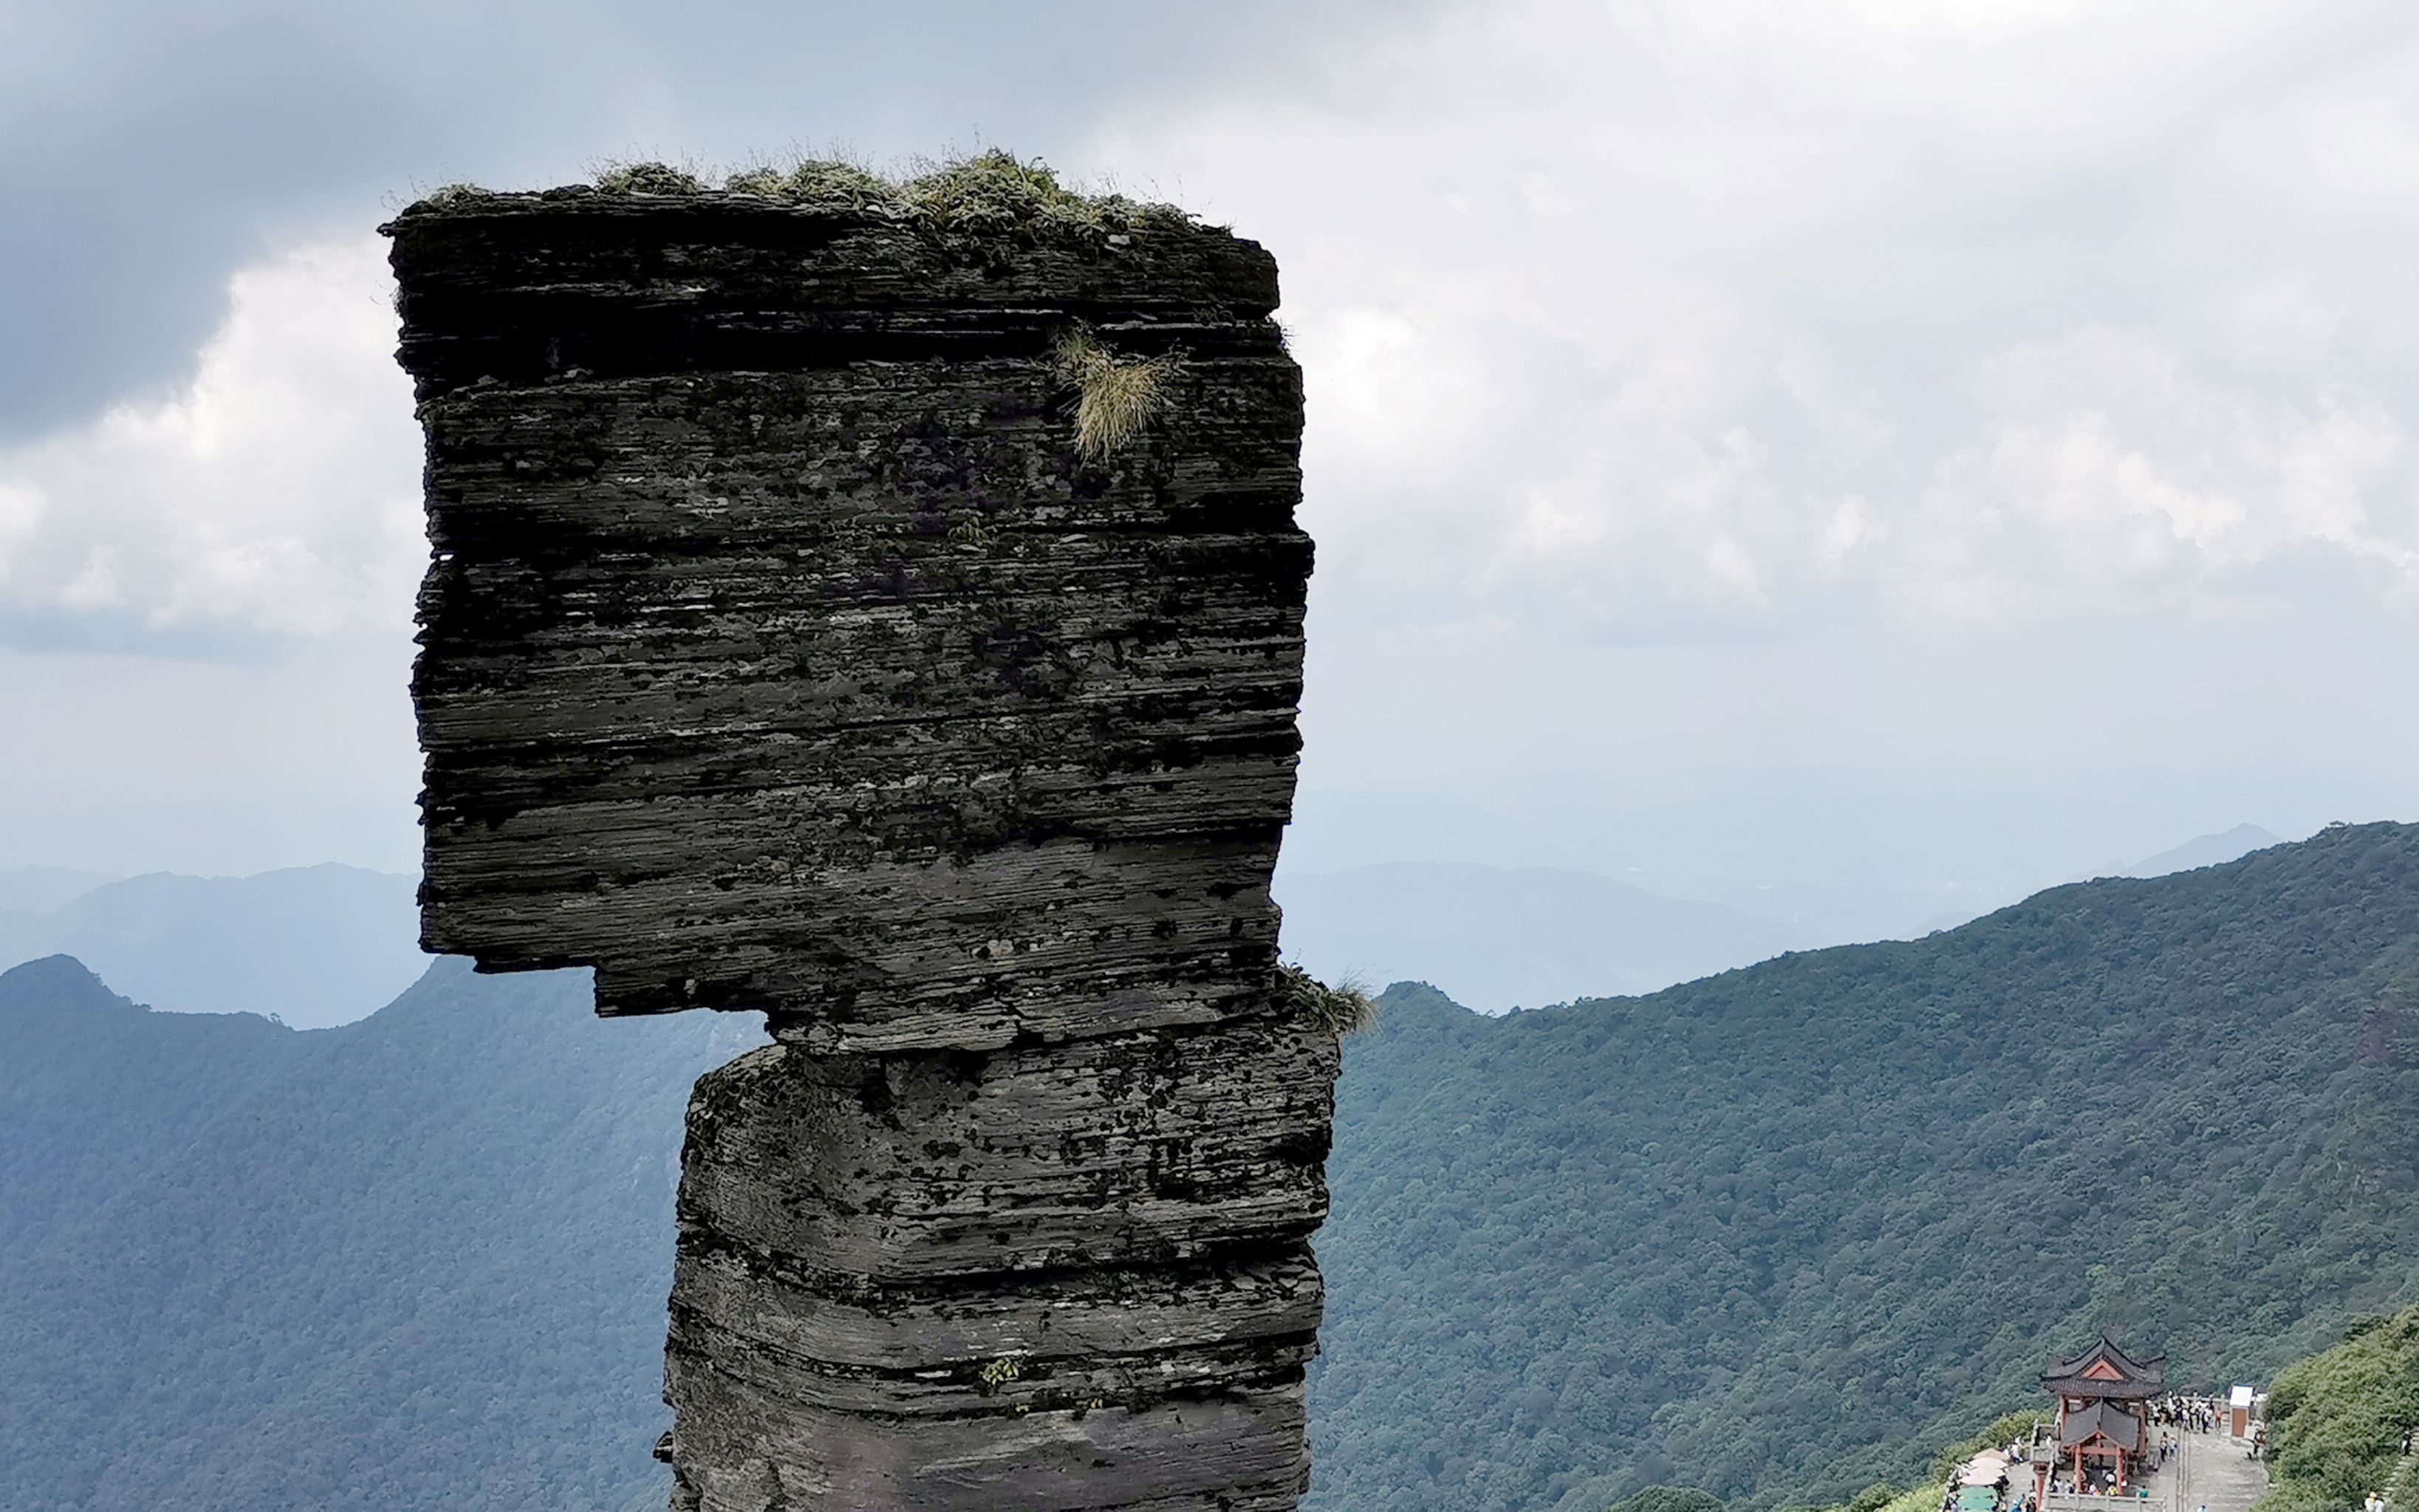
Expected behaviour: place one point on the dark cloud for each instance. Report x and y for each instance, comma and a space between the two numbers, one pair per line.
147, 150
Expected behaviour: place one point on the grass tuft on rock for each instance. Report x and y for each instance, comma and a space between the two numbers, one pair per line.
761, 181
1117, 396
997, 192
1343, 1009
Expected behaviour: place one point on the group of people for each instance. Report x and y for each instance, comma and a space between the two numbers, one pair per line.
2200, 1414
2203, 1414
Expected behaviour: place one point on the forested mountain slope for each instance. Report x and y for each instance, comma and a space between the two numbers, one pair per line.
95, 1091
1772, 1232
2341, 1423
414, 1263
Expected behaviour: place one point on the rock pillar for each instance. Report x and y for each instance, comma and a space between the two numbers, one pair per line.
883, 610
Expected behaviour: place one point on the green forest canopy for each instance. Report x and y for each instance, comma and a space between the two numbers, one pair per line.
2337, 1422
1784, 1232
413, 1264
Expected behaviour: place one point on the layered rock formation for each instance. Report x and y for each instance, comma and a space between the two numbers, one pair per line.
786, 648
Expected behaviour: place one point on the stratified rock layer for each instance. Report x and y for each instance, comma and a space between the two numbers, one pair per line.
781, 651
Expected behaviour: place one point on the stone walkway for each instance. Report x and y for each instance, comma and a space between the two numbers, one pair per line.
2210, 1472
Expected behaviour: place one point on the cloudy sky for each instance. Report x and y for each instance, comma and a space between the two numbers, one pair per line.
1973, 437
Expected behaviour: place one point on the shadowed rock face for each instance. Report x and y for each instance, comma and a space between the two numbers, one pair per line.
781, 652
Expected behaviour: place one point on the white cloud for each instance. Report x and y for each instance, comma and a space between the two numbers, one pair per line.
21, 512
1637, 320
1695, 386
277, 492
1652, 320
2112, 479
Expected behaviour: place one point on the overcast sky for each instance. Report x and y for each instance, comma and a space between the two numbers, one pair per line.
1760, 415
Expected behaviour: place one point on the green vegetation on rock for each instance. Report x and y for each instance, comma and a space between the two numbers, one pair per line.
984, 195
1341, 1009
649, 178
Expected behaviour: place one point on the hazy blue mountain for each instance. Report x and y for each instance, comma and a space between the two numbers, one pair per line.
2206, 850
1780, 1232
1495, 939
417, 1262
1834, 856
314, 946
1872, 860
37, 889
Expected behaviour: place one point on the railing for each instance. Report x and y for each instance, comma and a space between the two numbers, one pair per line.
2085, 1501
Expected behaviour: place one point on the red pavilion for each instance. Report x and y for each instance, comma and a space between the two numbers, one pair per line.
2104, 1413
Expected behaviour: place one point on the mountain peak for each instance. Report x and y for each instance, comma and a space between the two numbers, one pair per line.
55, 980
2206, 850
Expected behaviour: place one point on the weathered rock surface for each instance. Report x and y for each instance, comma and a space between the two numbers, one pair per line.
782, 652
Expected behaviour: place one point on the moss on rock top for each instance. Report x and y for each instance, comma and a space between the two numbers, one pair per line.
990, 194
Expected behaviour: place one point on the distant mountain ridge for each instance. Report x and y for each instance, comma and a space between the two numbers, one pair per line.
1498, 937
2206, 850
324, 944
314, 946
39, 889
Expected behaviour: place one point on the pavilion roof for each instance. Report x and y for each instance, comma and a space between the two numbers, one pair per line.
2101, 1420
2106, 1371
